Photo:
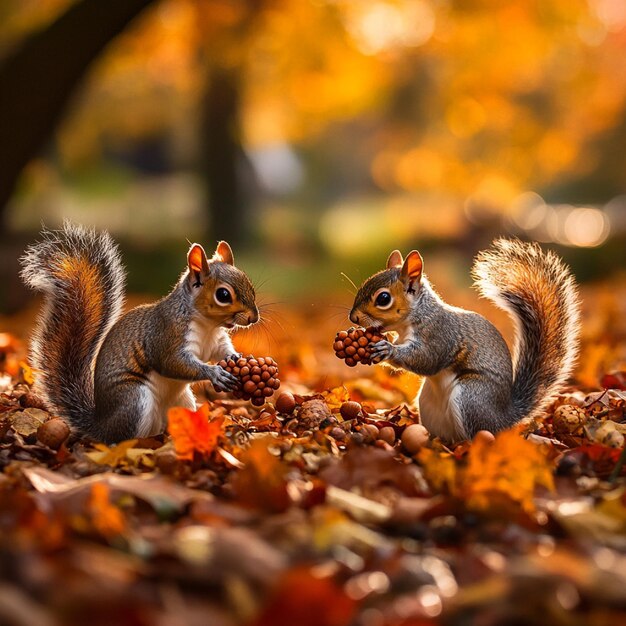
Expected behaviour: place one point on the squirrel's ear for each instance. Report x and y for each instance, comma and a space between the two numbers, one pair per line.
412, 268
394, 260
196, 260
224, 253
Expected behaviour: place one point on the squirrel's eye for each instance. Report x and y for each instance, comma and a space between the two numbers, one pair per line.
223, 296
383, 299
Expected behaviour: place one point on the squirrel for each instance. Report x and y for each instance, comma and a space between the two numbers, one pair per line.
114, 375
471, 381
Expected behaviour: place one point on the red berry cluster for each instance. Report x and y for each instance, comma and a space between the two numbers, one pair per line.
259, 377
353, 345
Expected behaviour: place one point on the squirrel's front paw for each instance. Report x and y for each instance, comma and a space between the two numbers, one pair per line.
381, 351
223, 380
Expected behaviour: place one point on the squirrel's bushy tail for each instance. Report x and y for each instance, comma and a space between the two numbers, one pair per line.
539, 292
82, 278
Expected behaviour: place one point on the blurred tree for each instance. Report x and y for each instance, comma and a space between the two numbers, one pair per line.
40, 75
224, 167
223, 157
467, 102
38, 78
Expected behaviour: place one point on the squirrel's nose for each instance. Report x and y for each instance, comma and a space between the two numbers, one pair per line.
253, 317
354, 318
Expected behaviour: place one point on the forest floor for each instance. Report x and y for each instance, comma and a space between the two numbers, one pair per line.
324, 514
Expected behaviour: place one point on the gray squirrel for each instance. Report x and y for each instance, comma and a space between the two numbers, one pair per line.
472, 382
114, 375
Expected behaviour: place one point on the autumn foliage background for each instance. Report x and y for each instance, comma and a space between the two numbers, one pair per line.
315, 136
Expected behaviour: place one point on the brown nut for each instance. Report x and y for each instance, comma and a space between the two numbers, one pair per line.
166, 461
258, 376
354, 345
338, 433
387, 434
369, 432
484, 436
53, 433
312, 413
414, 437
568, 418
350, 410
285, 403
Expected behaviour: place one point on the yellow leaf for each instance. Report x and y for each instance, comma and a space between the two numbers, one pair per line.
27, 373
439, 468
336, 397
113, 456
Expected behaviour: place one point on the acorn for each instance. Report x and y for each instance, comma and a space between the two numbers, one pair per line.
350, 410
258, 376
285, 403
387, 434
53, 433
568, 418
414, 437
484, 436
166, 460
353, 345
369, 432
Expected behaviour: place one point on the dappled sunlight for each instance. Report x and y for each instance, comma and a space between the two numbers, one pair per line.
380, 444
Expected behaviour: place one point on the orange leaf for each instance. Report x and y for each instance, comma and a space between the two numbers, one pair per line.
336, 397
262, 482
305, 598
106, 518
511, 466
192, 431
439, 468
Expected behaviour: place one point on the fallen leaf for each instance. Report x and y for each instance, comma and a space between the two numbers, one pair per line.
359, 508
262, 483
27, 373
334, 398
193, 431
306, 599
106, 518
27, 422
368, 468
510, 466
614, 380
163, 494
113, 455
439, 468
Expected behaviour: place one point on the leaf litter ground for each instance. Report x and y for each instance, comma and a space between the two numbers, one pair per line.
321, 516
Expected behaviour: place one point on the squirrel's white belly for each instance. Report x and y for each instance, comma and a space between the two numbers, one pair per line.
439, 411
160, 394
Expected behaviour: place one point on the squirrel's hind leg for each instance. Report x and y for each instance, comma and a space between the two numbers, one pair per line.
456, 407
482, 407
127, 411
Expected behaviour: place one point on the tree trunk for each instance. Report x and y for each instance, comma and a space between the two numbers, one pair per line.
41, 75
223, 158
